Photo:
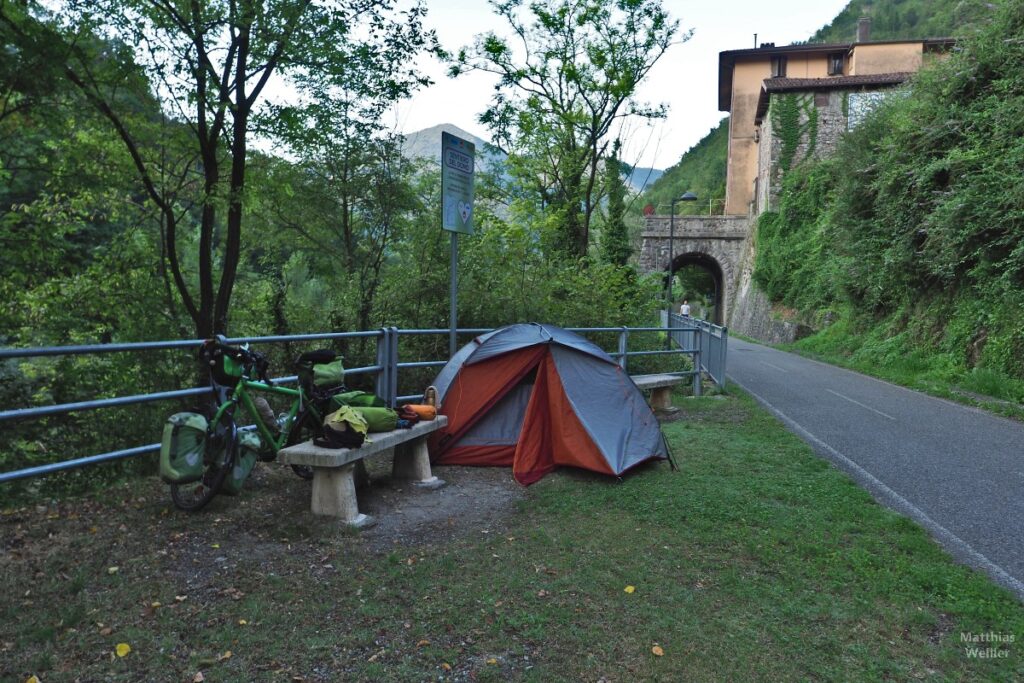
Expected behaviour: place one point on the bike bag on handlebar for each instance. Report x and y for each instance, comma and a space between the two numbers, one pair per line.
225, 363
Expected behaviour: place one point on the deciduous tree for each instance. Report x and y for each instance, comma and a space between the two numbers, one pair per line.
568, 73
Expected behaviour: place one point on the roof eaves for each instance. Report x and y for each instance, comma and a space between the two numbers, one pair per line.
771, 86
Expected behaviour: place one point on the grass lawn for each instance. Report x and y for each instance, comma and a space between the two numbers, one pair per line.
756, 561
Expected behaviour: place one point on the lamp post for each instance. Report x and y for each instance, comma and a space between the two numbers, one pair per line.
686, 197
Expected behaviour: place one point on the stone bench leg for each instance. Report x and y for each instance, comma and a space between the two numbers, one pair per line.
334, 495
661, 398
412, 462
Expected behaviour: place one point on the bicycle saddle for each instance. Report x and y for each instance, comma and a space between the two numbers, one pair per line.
316, 357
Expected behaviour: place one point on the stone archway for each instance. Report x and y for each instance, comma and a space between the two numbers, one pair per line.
711, 242
712, 267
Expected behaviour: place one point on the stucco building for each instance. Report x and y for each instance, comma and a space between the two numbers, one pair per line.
792, 102
785, 104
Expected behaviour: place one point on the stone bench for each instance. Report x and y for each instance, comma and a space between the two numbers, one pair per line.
661, 388
334, 486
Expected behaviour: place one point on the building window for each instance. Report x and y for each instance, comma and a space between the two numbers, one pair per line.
779, 66
835, 63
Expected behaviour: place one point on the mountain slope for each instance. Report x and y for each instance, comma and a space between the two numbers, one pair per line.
896, 19
701, 170
426, 144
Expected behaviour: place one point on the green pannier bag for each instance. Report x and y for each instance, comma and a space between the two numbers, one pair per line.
328, 375
378, 419
359, 399
181, 450
248, 451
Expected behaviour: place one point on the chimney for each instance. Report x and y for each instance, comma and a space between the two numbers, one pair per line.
863, 29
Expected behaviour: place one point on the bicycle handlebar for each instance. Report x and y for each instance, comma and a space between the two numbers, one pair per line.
249, 359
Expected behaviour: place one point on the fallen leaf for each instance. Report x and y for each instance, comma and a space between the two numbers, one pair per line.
542, 594
226, 655
446, 666
629, 589
113, 570
242, 622
199, 677
376, 655
123, 649
32, 679
215, 545
423, 643
180, 598
492, 661
658, 652
106, 631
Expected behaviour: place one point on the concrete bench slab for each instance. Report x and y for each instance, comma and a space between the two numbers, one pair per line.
334, 489
661, 388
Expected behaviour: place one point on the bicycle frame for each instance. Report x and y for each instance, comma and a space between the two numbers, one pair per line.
242, 394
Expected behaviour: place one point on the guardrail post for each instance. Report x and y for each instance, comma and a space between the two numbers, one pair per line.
623, 347
725, 351
383, 360
392, 395
696, 373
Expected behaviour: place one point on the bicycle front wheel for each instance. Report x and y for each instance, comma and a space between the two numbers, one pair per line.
219, 451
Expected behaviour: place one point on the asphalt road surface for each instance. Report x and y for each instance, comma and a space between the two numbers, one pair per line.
956, 470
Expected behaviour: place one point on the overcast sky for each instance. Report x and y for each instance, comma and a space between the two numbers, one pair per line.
686, 78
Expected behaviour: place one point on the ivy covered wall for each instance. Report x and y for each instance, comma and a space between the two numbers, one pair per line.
801, 126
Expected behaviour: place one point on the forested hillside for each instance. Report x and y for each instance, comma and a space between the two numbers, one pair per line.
910, 240
894, 19
700, 170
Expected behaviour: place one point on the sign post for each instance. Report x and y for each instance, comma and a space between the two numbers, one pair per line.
456, 210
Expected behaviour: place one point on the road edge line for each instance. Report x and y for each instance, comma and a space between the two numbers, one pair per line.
955, 545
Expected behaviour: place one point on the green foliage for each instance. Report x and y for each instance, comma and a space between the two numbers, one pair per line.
794, 120
701, 170
615, 243
903, 19
916, 225
791, 257
557, 101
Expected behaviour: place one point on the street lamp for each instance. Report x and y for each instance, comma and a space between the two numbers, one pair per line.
686, 197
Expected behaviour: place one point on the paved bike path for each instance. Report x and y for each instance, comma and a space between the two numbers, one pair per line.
956, 470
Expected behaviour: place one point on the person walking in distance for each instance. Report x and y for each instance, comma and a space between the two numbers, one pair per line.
685, 308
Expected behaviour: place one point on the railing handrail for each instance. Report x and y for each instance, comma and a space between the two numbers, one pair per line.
386, 369
712, 361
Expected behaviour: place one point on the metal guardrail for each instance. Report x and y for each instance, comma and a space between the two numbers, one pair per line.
386, 369
711, 340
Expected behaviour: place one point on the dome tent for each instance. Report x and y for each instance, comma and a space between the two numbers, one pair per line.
536, 397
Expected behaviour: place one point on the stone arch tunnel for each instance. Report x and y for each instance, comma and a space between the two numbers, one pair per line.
713, 243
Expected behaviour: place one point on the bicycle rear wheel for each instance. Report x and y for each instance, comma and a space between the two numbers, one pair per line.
305, 428
219, 451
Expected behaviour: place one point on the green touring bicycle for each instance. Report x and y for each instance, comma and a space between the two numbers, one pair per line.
206, 453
